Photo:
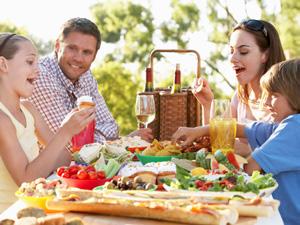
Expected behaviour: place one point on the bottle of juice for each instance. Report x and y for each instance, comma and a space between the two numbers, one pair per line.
86, 136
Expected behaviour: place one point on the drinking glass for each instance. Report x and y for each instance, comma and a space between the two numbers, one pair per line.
145, 109
222, 126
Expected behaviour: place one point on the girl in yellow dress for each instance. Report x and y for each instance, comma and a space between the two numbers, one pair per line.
22, 127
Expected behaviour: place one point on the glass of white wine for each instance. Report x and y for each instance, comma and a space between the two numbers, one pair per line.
145, 109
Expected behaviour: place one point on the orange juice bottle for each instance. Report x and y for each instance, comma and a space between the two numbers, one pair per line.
86, 136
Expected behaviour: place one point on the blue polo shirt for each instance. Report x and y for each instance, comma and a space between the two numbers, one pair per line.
277, 151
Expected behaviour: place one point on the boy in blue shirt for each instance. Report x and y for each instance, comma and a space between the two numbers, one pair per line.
276, 145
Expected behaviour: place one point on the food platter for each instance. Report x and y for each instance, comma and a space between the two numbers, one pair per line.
266, 192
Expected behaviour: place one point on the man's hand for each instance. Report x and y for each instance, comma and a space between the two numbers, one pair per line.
144, 133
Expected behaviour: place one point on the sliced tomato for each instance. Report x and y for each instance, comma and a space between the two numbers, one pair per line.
232, 160
136, 149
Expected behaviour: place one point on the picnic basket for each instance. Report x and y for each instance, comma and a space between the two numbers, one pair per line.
173, 110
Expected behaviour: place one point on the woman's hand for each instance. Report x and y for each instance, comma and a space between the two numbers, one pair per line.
77, 120
202, 92
185, 134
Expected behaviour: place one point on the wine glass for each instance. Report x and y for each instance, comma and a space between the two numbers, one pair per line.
145, 109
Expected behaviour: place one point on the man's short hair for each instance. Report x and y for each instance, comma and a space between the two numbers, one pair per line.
82, 25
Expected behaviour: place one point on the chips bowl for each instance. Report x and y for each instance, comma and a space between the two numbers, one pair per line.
149, 158
34, 201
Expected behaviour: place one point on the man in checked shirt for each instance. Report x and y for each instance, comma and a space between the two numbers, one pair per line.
65, 75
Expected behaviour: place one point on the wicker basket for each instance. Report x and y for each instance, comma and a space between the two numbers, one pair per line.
174, 110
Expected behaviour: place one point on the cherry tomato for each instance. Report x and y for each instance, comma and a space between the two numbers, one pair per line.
101, 174
82, 175
60, 170
92, 175
73, 169
74, 176
66, 174
90, 168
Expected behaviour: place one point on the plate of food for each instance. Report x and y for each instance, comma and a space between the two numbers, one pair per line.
230, 184
123, 144
38, 192
83, 177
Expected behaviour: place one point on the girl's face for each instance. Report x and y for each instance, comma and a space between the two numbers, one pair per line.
23, 69
279, 107
246, 58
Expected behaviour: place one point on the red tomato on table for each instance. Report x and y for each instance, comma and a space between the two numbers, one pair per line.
82, 175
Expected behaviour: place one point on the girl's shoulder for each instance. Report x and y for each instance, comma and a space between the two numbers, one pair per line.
6, 125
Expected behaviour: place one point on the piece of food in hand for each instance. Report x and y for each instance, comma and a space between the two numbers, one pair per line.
31, 212
85, 102
196, 145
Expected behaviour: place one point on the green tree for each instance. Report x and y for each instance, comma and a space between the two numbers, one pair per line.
128, 24
43, 47
184, 20
119, 87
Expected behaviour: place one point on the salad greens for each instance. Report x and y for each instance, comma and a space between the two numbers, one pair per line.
227, 182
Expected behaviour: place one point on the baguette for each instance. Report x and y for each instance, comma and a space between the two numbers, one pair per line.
170, 206
196, 214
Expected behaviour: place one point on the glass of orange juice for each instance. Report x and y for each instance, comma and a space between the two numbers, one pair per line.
222, 126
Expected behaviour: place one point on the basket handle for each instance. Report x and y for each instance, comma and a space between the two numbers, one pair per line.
180, 51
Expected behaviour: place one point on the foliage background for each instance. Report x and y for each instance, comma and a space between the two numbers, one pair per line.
132, 32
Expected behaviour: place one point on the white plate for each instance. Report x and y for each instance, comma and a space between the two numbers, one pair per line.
262, 193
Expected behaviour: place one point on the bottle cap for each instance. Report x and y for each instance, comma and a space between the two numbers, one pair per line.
177, 66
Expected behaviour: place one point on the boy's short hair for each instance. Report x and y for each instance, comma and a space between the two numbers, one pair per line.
82, 25
284, 78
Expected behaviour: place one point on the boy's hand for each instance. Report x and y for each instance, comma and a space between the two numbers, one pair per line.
185, 134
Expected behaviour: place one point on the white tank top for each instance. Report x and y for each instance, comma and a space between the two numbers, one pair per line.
28, 141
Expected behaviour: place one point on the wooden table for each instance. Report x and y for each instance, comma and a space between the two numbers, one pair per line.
93, 219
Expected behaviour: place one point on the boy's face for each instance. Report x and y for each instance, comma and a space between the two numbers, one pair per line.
280, 107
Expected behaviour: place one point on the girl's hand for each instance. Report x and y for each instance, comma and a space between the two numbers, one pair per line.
202, 91
77, 120
185, 134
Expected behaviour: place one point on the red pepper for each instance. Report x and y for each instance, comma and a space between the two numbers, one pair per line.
232, 160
